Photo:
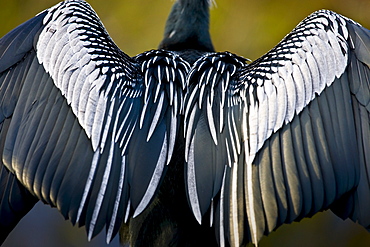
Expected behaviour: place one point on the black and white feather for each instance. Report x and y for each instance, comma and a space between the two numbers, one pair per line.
292, 127
91, 131
86, 114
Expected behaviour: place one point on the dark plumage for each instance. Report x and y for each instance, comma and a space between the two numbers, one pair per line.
183, 146
186, 30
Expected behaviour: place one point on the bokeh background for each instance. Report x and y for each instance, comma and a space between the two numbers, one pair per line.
246, 27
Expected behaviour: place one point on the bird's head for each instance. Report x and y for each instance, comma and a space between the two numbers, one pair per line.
187, 26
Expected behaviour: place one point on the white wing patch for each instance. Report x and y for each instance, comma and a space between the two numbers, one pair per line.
300, 67
68, 49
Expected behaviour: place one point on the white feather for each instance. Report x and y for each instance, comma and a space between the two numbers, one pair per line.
263, 116
253, 124
156, 116
315, 76
299, 87
97, 126
192, 185
211, 122
270, 91
281, 95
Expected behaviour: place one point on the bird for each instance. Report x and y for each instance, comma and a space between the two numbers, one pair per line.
183, 145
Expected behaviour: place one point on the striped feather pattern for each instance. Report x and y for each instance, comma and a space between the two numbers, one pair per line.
300, 151
84, 62
290, 141
84, 113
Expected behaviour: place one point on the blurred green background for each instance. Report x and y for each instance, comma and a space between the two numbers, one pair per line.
246, 27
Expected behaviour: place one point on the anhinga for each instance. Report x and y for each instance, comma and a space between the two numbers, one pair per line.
183, 146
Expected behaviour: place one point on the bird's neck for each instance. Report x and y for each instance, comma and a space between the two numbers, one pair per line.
187, 27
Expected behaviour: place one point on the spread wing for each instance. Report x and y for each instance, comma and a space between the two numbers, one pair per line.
285, 136
83, 126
